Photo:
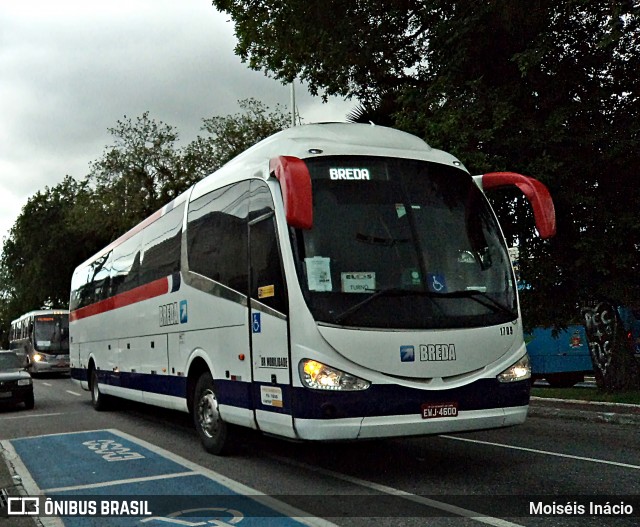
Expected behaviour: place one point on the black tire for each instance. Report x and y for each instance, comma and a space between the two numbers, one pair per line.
29, 402
215, 435
99, 400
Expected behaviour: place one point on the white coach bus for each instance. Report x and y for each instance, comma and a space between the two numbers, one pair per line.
334, 282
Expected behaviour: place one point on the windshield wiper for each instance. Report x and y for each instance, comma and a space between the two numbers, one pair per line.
479, 296
482, 298
391, 291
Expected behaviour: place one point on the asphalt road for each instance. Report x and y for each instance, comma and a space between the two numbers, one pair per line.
510, 477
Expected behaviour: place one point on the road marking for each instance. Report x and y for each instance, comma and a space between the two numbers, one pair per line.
191, 469
28, 482
73, 393
118, 482
545, 452
46, 383
31, 415
434, 504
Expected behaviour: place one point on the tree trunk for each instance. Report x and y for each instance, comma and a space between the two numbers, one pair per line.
614, 364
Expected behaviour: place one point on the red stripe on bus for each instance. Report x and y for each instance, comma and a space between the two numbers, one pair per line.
143, 292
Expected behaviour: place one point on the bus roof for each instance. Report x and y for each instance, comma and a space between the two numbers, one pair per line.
38, 312
321, 140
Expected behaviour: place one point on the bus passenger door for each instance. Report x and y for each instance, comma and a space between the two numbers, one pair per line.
268, 328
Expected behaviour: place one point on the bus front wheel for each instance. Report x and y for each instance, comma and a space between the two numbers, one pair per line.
213, 431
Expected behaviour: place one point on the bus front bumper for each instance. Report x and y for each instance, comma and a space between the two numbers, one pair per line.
50, 364
354, 428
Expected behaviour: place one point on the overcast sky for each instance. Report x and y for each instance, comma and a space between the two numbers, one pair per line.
69, 69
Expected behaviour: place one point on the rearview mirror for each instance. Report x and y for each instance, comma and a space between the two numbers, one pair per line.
537, 193
295, 182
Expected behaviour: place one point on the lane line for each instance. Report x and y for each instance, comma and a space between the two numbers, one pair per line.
73, 393
31, 415
120, 482
434, 504
545, 452
239, 488
46, 384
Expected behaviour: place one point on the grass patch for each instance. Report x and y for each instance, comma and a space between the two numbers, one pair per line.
587, 394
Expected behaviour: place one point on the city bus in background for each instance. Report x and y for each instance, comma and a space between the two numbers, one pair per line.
561, 358
334, 282
43, 336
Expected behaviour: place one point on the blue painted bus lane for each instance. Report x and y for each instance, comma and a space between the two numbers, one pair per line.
106, 477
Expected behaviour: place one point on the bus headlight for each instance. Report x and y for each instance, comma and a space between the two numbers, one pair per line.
519, 371
319, 376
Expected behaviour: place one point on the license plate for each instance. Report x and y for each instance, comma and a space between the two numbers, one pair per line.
434, 410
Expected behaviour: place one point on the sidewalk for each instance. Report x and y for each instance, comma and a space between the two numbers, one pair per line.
11, 486
616, 413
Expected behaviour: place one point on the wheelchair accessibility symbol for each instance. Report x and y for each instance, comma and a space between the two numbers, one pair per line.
437, 283
219, 517
256, 325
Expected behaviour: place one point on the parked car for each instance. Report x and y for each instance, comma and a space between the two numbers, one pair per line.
16, 385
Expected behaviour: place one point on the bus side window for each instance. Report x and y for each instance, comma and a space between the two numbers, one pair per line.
217, 235
161, 246
125, 265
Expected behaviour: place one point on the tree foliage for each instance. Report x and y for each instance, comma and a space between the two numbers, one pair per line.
40, 252
142, 170
549, 89
230, 135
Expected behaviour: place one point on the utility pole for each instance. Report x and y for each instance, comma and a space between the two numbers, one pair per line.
293, 105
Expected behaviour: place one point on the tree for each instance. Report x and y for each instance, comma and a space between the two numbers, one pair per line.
40, 253
137, 174
549, 89
229, 136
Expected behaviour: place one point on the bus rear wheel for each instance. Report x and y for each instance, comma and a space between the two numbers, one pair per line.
98, 399
213, 431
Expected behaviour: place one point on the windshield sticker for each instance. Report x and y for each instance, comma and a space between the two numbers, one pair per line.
318, 273
437, 283
358, 282
411, 277
349, 173
266, 291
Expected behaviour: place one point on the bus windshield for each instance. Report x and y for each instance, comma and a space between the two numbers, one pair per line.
51, 333
399, 243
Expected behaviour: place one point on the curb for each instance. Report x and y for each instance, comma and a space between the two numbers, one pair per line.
11, 486
611, 413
